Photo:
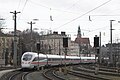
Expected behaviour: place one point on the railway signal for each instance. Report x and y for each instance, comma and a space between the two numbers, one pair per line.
65, 42
38, 49
96, 41
65, 45
96, 45
38, 46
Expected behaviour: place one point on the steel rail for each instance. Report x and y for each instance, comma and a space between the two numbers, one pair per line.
45, 74
12, 76
87, 76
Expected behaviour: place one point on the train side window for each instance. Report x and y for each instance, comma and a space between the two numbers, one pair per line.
55, 59
49, 59
36, 59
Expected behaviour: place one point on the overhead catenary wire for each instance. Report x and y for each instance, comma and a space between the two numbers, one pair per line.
23, 8
69, 8
102, 16
24, 5
60, 10
39, 4
53, 9
47, 7
73, 4
19, 4
83, 14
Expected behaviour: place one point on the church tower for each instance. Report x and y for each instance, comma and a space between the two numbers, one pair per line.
79, 32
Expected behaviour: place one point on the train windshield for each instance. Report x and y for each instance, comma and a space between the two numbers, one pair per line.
27, 57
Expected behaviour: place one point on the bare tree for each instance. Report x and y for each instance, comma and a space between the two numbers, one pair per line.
2, 23
27, 39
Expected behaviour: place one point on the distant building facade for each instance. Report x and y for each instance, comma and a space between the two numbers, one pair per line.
115, 51
84, 46
53, 43
74, 48
5, 45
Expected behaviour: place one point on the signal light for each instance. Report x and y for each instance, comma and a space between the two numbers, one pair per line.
38, 46
96, 41
65, 42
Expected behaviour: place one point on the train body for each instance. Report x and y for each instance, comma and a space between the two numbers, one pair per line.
32, 60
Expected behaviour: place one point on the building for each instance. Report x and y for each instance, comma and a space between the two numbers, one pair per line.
6, 48
5, 45
74, 48
53, 43
83, 44
115, 51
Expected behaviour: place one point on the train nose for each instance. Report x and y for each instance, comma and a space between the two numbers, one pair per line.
25, 64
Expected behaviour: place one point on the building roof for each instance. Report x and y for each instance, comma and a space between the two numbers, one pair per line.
82, 40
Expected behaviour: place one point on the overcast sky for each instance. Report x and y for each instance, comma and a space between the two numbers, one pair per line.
67, 15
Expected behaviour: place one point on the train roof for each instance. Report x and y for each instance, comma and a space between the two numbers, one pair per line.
35, 54
72, 57
53, 56
32, 53
56, 56
87, 57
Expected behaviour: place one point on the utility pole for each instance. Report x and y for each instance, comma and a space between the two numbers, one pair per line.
100, 55
111, 54
31, 23
15, 40
79, 47
59, 48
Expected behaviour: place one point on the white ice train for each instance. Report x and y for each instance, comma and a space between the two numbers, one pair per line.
32, 60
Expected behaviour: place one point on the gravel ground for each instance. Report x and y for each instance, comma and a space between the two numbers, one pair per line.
35, 76
38, 76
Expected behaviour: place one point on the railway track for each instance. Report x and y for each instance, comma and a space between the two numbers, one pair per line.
106, 74
102, 70
51, 75
19, 76
77, 73
86, 75
15, 75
